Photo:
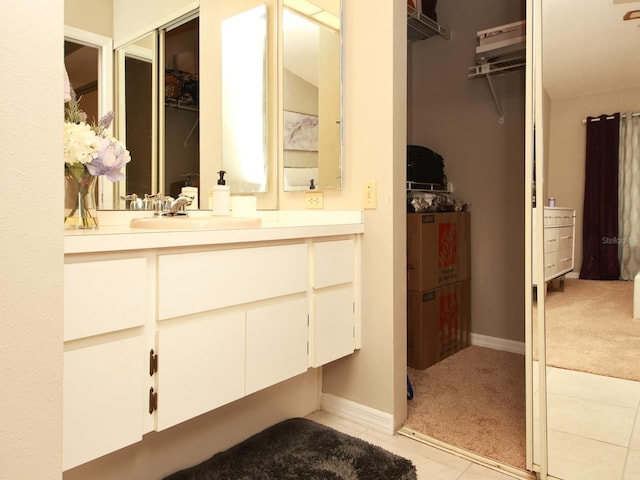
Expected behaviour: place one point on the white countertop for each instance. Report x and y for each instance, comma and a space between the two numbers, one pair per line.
114, 233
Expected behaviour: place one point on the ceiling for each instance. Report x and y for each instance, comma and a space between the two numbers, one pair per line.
588, 48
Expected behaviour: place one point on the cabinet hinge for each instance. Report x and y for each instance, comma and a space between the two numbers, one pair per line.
153, 400
153, 362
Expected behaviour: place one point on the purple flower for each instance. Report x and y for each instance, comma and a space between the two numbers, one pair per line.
109, 159
106, 120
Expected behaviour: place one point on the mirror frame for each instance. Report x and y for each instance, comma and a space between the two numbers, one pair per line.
120, 55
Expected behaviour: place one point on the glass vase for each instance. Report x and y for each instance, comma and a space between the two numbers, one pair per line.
80, 210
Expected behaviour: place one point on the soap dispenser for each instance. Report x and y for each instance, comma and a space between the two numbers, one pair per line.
190, 191
221, 196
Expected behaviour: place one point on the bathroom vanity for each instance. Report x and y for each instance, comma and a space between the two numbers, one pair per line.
164, 325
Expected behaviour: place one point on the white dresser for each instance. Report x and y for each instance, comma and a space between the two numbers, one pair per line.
559, 242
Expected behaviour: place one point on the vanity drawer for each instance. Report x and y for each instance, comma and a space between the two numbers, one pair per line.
89, 308
333, 263
196, 282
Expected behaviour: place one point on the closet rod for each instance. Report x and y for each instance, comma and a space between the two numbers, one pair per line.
597, 119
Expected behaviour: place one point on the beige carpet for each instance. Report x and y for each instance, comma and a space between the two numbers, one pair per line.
474, 399
589, 328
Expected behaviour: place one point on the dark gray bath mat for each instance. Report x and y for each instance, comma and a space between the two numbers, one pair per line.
301, 449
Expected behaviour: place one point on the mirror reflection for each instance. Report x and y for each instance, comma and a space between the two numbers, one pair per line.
81, 62
136, 65
179, 125
311, 95
591, 96
244, 100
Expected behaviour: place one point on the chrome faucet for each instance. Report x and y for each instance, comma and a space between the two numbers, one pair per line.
177, 206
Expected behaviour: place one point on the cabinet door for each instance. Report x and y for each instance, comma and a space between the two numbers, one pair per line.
277, 343
332, 324
200, 365
103, 401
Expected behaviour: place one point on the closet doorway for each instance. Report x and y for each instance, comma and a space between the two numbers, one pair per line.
474, 401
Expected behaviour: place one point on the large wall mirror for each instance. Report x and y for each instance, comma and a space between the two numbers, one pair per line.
187, 110
311, 45
592, 393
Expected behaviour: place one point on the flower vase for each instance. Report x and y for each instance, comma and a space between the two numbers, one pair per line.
80, 211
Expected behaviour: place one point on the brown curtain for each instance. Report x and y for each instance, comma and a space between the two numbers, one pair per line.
600, 222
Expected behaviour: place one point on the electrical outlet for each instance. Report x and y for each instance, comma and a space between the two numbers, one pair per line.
369, 194
314, 200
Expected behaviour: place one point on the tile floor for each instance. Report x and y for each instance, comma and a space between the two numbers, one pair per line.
431, 463
593, 433
593, 426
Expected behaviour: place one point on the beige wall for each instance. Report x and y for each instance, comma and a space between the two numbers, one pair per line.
375, 149
457, 118
567, 147
31, 293
95, 16
132, 19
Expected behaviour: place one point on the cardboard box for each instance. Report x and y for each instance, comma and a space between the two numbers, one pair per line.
438, 249
438, 323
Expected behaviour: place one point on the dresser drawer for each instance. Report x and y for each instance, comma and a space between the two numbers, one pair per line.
196, 282
557, 263
550, 240
565, 237
565, 260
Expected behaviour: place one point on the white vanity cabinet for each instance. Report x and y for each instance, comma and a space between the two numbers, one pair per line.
333, 311
159, 333
237, 323
105, 302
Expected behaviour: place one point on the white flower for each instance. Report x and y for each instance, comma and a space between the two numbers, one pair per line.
80, 143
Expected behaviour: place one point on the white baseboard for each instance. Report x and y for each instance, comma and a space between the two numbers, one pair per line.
497, 343
372, 418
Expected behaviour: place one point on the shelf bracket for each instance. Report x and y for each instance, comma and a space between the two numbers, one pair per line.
495, 100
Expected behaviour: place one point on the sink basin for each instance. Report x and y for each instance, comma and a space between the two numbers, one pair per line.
195, 223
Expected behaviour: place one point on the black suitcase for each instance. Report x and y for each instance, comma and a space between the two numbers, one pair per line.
429, 9
425, 166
